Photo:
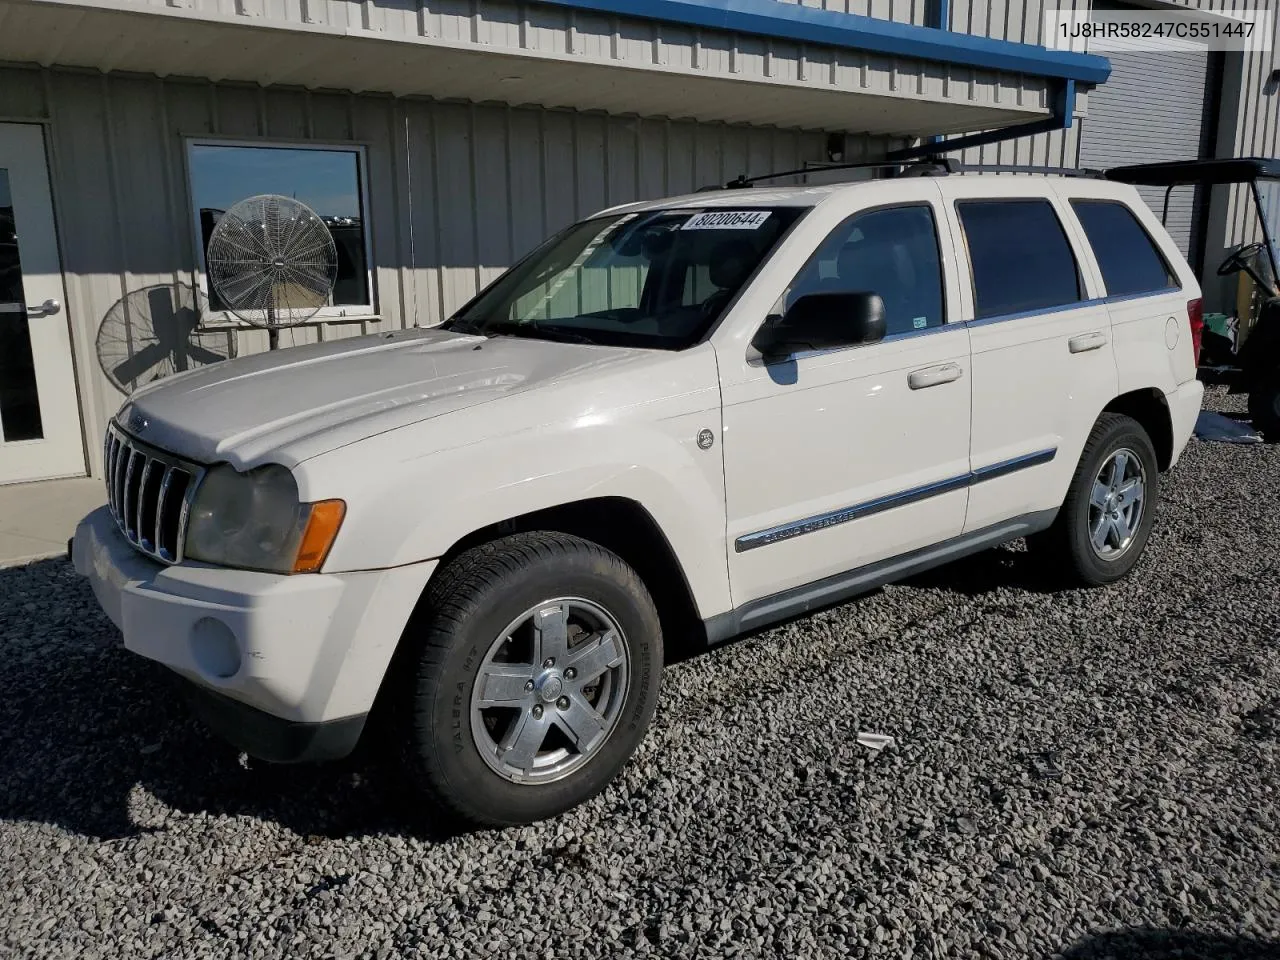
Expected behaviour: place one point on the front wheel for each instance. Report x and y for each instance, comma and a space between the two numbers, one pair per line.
535, 675
1110, 507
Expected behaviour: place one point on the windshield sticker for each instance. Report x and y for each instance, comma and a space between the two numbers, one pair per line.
727, 220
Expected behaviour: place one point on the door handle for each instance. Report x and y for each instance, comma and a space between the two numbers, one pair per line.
1086, 342
934, 376
46, 309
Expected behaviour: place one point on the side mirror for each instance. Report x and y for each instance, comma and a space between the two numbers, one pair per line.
823, 321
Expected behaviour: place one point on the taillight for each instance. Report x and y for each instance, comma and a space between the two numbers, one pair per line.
1195, 315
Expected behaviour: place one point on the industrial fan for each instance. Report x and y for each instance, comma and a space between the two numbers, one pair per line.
273, 262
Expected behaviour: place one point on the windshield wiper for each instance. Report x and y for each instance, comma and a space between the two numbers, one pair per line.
531, 330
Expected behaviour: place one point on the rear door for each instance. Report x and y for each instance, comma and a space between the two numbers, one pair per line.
1043, 360
1145, 295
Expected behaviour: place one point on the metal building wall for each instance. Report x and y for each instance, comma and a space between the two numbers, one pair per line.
456, 191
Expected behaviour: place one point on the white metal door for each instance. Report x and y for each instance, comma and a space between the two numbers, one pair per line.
39, 416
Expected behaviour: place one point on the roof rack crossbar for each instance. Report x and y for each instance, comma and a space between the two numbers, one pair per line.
937, 166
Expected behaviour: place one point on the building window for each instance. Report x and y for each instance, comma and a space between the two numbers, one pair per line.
329, 180
1019, 255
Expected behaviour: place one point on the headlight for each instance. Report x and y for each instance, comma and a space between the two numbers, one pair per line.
254, 520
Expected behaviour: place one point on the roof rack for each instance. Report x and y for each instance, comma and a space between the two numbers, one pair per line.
932, 167
917, 168
1031, 168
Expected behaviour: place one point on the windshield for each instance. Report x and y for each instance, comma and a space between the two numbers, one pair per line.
1269, 210
658, 279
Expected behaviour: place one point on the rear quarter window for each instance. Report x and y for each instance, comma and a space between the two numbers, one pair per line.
1020, 256
1130, 261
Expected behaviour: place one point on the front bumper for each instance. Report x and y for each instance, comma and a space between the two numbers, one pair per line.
300, 650
272, 738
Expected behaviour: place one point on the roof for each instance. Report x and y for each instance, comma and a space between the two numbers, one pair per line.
1180, 172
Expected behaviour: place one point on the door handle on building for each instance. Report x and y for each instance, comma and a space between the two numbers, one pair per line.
1086, 341
934, 376
46, 309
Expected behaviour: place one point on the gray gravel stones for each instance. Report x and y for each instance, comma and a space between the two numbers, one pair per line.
751, 823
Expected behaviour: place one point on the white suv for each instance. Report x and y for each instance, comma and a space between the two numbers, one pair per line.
697, 415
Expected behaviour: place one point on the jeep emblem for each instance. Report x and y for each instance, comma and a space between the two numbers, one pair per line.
138, 423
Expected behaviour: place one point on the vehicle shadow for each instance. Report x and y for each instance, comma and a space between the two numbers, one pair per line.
1153, 943
1007, 566
101, 742
91, 736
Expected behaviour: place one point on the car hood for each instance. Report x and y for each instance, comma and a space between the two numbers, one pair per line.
289, 405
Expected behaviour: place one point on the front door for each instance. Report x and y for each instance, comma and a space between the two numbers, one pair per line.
837, 459
39, 416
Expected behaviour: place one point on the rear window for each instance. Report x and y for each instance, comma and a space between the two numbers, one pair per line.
1130, 261
1019, 255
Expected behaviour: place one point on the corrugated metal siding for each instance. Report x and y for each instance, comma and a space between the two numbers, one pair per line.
1250, 126
1021, 21
1151, 109
443, 38
456, 191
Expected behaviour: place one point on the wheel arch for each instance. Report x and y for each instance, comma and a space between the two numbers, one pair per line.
620, 525
1150, 409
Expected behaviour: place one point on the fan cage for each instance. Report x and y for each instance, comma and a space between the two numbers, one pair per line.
272, 261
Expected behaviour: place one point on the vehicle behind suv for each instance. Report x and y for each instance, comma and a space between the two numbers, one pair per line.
688, 417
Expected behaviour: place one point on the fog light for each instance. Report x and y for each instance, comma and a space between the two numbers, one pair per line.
214, 648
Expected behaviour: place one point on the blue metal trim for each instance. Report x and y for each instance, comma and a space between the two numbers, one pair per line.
792, 21
796, 528
942, 14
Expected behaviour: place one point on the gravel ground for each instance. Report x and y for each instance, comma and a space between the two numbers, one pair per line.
751, 823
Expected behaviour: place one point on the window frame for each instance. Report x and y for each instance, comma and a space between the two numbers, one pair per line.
1082, 288
1176, 285
225, 319
946, 323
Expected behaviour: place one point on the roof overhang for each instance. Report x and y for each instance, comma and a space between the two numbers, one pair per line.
734, 61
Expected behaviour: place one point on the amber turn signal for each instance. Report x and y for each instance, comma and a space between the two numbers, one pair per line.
322, 528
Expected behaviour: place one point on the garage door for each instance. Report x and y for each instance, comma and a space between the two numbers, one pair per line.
1152, 107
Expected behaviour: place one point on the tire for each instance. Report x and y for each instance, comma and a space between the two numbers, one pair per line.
453, 738
1068, 546
1264, 406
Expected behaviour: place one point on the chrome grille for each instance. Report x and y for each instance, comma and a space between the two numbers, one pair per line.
149, 493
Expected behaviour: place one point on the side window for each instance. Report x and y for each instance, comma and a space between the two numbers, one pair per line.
1020, 256
1130, 261
892, 252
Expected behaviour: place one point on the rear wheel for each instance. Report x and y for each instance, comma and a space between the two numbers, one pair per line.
1264, 405
1110, 507
535, 675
